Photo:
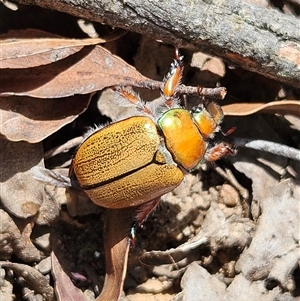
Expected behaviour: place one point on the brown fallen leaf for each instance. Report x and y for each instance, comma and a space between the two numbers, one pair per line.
64, 287
90, 69
26, 53
281, 107
32, 120
31, 47
116, 243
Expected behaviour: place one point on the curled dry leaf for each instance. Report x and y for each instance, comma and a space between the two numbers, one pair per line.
90, 69
16, 160
291, 107
26, 53
32, 119
116, 242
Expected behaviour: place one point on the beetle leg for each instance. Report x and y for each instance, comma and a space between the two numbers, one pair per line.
219, 151
140, 216
228, 132
144, 210
132, 99
173, 79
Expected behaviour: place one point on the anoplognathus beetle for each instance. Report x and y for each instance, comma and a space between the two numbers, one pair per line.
138, 159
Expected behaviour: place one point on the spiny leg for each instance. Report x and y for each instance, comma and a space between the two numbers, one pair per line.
219, 151
141, 214
129, 98
173, 79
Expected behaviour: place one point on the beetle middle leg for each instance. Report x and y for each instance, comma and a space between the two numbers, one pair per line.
219, 151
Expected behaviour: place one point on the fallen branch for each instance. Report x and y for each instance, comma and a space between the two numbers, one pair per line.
270, 147
258, 39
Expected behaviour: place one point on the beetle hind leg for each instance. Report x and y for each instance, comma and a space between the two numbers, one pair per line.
144, 210
140, 216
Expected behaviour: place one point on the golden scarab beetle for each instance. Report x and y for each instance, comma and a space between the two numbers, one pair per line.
136, 160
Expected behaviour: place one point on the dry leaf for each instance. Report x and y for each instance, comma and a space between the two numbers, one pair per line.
26, 53
91, 69
64, 287
117, 246
291, 107
32, 120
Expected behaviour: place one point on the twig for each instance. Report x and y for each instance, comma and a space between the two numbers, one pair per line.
270, 147
211, 93
64, 147
175, 254
256, 38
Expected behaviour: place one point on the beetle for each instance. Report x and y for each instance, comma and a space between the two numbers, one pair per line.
134, 161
